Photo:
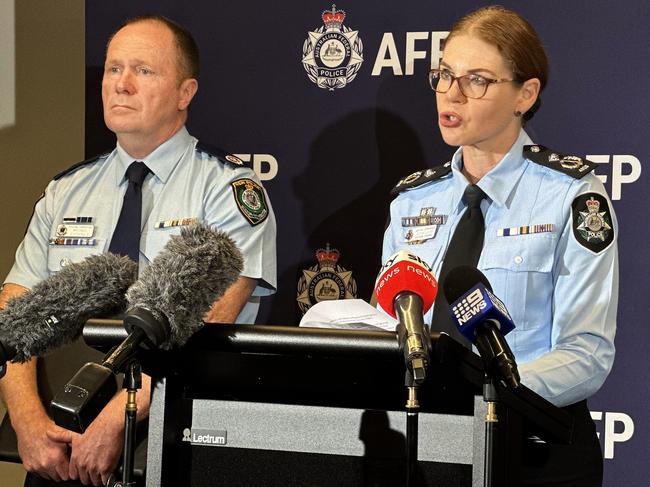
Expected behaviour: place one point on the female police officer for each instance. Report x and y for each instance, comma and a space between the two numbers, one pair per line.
547, 229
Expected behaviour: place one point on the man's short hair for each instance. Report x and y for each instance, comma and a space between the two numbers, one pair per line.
188, 50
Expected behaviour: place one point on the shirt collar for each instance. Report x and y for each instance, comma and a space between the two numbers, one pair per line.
161, 161
501, 180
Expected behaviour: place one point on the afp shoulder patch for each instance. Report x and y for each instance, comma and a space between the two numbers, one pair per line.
76, 166
574, 166
592, 221
223, 156
421, 177
250, 200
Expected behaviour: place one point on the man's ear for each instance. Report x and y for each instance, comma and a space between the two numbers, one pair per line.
188, 89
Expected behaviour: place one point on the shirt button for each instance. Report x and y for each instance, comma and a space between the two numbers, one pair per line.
518, 259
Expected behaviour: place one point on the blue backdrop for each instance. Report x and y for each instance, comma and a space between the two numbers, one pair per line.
329, 157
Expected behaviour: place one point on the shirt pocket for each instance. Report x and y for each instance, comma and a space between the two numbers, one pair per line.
58, 256
520, 270
153, 241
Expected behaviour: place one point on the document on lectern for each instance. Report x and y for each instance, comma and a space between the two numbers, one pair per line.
349, 314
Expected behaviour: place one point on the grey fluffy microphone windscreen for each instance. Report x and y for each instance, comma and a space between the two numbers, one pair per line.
54, 311
193, 270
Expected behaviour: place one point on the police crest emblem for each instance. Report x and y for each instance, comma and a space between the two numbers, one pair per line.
251, 200
325, 281
332, 54
592, 221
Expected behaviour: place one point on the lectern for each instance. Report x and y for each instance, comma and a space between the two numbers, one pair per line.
287, 406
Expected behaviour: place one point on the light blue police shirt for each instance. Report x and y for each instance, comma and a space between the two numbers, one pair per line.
185, 183
561, 295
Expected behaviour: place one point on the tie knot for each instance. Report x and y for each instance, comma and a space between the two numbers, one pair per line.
473, 196
136, 172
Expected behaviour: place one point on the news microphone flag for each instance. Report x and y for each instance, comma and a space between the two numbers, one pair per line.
477, 306
405, 272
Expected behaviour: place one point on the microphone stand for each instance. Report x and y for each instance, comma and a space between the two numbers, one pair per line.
124, 359
132, 383
491, 420
415, 347
499, 364
412, 416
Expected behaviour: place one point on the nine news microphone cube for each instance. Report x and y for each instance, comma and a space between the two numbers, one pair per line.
477, 306
83, 397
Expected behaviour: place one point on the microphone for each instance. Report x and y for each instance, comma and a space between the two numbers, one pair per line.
54, 311
406, 289
192, 271
483, 319
166, 307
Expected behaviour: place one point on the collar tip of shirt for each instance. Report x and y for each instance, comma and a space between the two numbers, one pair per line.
498, 203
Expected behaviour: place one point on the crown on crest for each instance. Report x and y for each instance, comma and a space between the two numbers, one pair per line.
333, 19
327, 257
593, 205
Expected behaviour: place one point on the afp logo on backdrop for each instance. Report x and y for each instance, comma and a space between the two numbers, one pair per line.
264, 165
620, 169
614, 427
332, 54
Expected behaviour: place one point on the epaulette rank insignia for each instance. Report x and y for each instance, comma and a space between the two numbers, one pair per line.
76, 166
220, 154
574, 166
421, 177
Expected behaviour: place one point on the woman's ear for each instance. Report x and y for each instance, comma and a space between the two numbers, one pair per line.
528, 94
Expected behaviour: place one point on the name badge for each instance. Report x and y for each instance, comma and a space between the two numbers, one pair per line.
69, 230
420, 233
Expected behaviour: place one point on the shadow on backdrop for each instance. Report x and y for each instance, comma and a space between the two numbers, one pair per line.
343, 197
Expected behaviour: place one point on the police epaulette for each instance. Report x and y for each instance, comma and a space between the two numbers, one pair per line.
421, 177
220, 154
573, 166
76, 166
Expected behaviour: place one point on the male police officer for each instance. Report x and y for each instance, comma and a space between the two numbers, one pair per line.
149, 81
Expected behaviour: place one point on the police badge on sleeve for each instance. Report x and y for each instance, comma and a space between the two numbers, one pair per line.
251, 200
333, 53
592, 222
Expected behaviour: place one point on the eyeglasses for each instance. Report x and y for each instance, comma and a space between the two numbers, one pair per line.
470, 85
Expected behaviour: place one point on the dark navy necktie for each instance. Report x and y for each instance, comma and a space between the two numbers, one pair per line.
464, 249
126, 237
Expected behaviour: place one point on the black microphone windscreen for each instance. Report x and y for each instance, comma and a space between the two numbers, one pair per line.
54, 311
461, 279
193, 270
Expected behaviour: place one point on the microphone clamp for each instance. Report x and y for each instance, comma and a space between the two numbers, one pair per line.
154, 325
414, 340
